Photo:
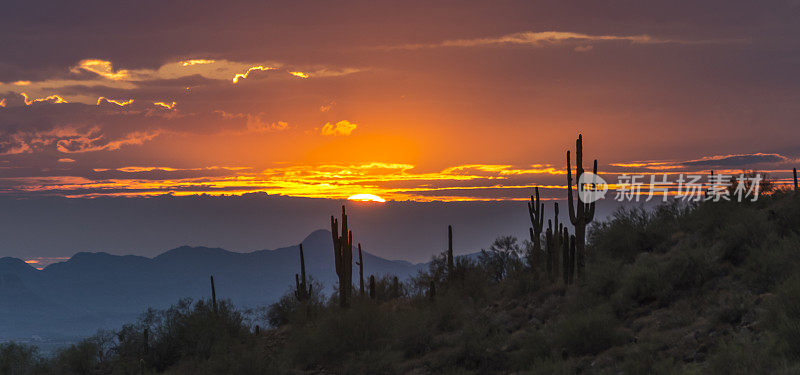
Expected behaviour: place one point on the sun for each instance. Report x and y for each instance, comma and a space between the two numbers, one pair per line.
366, 198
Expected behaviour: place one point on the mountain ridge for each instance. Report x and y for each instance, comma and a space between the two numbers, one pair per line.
97, 289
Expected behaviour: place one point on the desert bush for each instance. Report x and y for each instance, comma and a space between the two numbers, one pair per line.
589, 331
502, 258
338, 334
772, 262
288, 310
784, 317
632, 231
78, 359
744, 355
413, 330
663, 278
385, 288
642, 358
478, 347
528, 348
20, 359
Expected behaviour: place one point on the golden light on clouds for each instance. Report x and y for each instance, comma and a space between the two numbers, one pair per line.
366, 198
114, 101
169, 106
196, 62
382, 181
52, 99
244, 75
22, 83
300, 74
102, 68
396, 181
343, 127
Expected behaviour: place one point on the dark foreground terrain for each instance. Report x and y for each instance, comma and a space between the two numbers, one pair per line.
698, 289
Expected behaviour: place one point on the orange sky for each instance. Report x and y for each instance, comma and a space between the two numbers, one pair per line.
424, 102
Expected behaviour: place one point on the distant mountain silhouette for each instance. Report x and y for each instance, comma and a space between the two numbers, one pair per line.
96, 290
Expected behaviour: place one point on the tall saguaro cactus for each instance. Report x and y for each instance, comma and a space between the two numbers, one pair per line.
343, 257
536, 212
581, 213
548, 247
213, 295
565, 256
557, 228
302, 288
794, 170
360, 264
450, 265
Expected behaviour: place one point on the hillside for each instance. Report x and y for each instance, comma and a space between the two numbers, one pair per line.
706, 288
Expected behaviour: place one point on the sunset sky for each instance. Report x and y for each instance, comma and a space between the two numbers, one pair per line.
406, 100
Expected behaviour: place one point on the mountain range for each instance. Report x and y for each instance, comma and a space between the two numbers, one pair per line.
91, 291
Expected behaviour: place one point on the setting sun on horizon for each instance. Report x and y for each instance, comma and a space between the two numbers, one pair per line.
366, 198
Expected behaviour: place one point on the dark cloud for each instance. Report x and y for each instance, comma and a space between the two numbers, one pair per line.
738, 160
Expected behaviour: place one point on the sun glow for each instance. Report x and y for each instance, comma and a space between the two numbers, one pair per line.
244, 75
366, 198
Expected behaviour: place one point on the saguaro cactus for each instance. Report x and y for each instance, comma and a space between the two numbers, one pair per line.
548, 247
565, 268
557, 228
581, 213
213, 295
372, 287
432, 291
794, 170
450, 265
536, 212
343, 257
302, 289
360, 264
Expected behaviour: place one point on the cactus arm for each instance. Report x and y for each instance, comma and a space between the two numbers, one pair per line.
590, 214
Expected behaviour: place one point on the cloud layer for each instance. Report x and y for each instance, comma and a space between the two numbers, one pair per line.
474, 101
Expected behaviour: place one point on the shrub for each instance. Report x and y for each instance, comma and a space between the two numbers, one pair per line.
501, 258
289, 310
589, 331
338, 334
20, 359
743, 355
632, 231
80, 358
785, 316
